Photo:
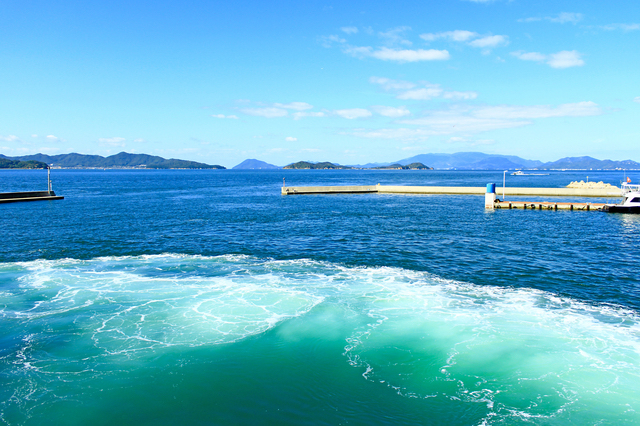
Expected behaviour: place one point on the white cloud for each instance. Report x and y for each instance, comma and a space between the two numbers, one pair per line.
34, 136
234, 117
329, 41
489, 41
423, 94
268, 112
400, 134
460, 95
139, 140
622, 27
299, 115
457, 35
117, 141
565, 17
353, 113
563, 59
388, 111
388, 84
349, 30
636, 99
290, 139
530, 56
481, 119
561, 18
579, 109
298, 106
471, 38
394, 36
53, 138
10, 138
398, 55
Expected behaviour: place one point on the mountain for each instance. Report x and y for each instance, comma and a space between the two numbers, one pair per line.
252, 164
16, 164
305, 165
472, 161
589, 163
119, 160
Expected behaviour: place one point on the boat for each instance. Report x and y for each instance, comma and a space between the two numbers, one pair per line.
521, 173
630, 200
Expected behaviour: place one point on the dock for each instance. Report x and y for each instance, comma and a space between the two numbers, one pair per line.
14, 197
546, 205
452, 190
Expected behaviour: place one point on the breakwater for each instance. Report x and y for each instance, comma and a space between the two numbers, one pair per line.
14, 197
452, 190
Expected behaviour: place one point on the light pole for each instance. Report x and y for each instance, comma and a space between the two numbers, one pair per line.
504, 179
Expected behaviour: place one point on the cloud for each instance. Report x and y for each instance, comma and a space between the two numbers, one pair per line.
298, 106
299, 115
409, 91
53, 138
561, 18
291, 139
423, 94
471, 38
621, 27
10, 138
349, 30
579, 109
388, 84
353, 113
457, 35
117, 141
394, 36
489, 41
399, 134
460, 95
481, 119
636, 99
398, 55
268, 112
329, 41
388, 111
234, 117
139, 140
563, 59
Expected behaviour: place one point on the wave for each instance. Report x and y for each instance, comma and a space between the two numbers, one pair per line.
522, 353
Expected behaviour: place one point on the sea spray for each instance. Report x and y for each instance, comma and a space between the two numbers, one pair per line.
385, 339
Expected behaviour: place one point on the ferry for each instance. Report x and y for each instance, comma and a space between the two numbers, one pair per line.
630, 200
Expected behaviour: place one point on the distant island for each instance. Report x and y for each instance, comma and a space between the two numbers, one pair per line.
253, 164
305, 165
121, 160
16, 164
456, 161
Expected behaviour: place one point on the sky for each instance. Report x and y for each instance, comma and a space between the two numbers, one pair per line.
348, 82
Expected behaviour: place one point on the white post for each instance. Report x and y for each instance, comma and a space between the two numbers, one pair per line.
504, 180
49, 179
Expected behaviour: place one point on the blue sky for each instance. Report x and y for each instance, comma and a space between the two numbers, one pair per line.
348, 82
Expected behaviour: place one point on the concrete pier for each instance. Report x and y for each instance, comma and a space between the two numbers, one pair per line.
546, 205
14, 197
452, 190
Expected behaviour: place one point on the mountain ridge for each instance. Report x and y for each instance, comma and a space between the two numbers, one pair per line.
120, 160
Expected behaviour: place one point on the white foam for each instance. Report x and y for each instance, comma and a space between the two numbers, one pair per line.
415, 333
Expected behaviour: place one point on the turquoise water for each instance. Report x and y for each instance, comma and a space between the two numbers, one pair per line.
205, 297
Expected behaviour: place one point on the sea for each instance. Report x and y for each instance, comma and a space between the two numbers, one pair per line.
205, 297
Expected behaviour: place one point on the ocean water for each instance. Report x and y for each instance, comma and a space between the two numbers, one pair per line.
207, 298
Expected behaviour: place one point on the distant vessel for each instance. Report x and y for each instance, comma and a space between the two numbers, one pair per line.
521, 173
630, 200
